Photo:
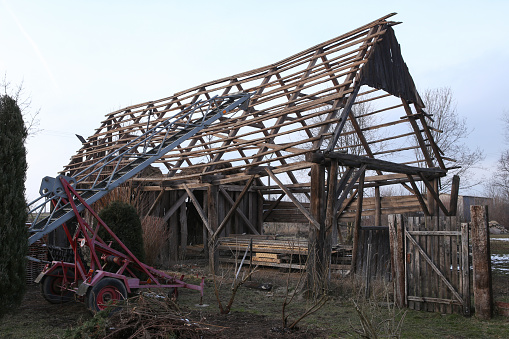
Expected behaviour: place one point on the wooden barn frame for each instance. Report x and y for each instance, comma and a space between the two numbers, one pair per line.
325, 130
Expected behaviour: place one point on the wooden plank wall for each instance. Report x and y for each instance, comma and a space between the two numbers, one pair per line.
374, 253
286, 210
186, 221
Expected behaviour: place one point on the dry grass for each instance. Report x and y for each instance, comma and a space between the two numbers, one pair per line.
155, 236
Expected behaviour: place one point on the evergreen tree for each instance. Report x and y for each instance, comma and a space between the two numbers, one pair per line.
123, 220
13, 215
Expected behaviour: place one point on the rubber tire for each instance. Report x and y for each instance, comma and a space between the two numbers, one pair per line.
50, 287
107, 290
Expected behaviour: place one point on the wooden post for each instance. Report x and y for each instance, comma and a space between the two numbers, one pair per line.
453, 203
212, 199
378, 207
259, 213
173, 228
318, 244
183, 231
481, 262
205, 232
357, 224
431, 203
465, 269
330, 214
397, 243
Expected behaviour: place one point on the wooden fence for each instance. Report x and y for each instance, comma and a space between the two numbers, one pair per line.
436, 264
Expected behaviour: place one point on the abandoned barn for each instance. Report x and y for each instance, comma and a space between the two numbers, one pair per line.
326, 133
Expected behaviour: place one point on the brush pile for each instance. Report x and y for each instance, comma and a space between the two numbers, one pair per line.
150, 315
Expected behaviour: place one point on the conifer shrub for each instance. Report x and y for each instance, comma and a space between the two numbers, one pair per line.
13, 215
123, 220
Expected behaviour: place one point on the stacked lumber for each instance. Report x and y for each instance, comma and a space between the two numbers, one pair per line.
272, 252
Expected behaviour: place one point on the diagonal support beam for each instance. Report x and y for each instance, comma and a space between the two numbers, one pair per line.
199, 209
431, 139
342, 184
418, 195
154, 204
342, 120
239, 212
296, 202
350, 185
234, 207
418, 135
175, 207
434, 194
272, 206
348, 203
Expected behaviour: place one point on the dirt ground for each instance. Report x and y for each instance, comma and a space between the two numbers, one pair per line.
258, 313
36, 318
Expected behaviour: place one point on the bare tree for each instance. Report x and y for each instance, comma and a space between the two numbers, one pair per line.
450, 132
498, 187
24, 102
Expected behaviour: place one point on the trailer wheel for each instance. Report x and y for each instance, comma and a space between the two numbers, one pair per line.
107, 292
51, 286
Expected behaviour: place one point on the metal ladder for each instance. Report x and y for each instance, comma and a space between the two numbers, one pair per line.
127, 161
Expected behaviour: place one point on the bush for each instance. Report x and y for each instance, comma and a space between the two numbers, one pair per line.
13, 215
123, 220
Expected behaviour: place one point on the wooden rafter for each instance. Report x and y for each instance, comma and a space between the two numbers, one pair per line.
299, 107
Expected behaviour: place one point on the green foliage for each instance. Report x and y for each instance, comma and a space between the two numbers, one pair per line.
13, 216
123, 220
91, 329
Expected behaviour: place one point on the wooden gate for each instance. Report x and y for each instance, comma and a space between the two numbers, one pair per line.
437, 265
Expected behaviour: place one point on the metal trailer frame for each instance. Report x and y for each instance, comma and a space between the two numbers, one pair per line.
62, 281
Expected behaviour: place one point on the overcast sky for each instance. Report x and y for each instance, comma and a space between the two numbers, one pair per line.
79, 60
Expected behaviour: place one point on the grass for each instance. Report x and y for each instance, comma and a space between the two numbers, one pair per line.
338, 318
501, 246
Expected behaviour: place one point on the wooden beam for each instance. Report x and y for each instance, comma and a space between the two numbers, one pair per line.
453, 203
431, 140
272, 206
239, 212
290, 195
212, 213
417, 132
343, 118
418, 195
331, 196
159, 196
378, 207
481, 262
234, 207
198, 208
347, 203
175, 207
357, 224
397, 241
357, 161
350, 185
434, 194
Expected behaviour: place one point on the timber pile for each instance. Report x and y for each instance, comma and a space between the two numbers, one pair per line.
496, 228
269, 251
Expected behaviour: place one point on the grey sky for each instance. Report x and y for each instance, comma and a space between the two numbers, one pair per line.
81, 60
